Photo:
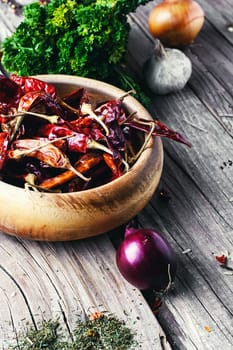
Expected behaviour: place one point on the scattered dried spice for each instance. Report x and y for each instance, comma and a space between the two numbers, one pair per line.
44, 337
222, 259
156, 305
208, 329
100, 332
103, 332
164, 194
225, 260
226, 164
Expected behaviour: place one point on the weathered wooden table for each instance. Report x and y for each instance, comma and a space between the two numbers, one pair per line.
46, 280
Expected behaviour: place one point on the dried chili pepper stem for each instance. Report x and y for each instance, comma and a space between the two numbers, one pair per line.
29, 341
63, 103
129, 117
20, 116
127, 94
92, 144
147, 138
30, 184
70, 167
53, 119
30, 179
96, 145
19, 121
87, 109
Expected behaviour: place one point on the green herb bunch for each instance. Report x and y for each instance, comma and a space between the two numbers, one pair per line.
86, 38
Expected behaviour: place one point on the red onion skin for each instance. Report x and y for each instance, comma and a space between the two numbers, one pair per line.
146, 260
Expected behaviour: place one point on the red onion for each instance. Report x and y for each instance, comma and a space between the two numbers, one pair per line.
146, 260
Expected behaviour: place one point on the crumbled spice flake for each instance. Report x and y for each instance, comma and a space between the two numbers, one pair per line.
95, 315
156, 305
226, 164
101, 332
164, 194
222, 259
226, 262
208, 329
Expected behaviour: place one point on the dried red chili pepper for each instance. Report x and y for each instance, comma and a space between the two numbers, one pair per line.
29, 84
88, 127
113, 164
41, 102
78, 142
111, 110
52, 131
10, 94
83, 165
4, 143
160, 129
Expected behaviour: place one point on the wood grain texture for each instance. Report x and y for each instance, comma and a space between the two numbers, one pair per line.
195, 214
199, 182
66, 281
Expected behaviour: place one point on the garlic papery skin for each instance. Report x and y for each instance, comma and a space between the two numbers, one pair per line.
167, 70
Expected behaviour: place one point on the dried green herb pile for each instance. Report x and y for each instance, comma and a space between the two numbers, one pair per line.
102, 332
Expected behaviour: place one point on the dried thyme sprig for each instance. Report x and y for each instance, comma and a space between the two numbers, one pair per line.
45, 337
105, 332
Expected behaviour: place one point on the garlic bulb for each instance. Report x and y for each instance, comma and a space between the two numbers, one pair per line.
167, 70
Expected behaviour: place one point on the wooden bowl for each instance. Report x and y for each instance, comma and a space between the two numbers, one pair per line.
71, 216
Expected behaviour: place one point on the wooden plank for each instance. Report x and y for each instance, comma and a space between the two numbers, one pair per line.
8, 21
67, 280
198, 215
197, 314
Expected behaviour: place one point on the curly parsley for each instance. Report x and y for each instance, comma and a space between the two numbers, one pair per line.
86, 38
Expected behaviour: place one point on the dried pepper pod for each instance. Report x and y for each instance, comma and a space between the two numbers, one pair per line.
10, 94
160, 129
4, 144
83, 165
29, 84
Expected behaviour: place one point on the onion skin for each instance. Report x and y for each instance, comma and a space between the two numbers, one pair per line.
176, 22
146, 260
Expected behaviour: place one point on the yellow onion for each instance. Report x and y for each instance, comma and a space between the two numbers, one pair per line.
176, 22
